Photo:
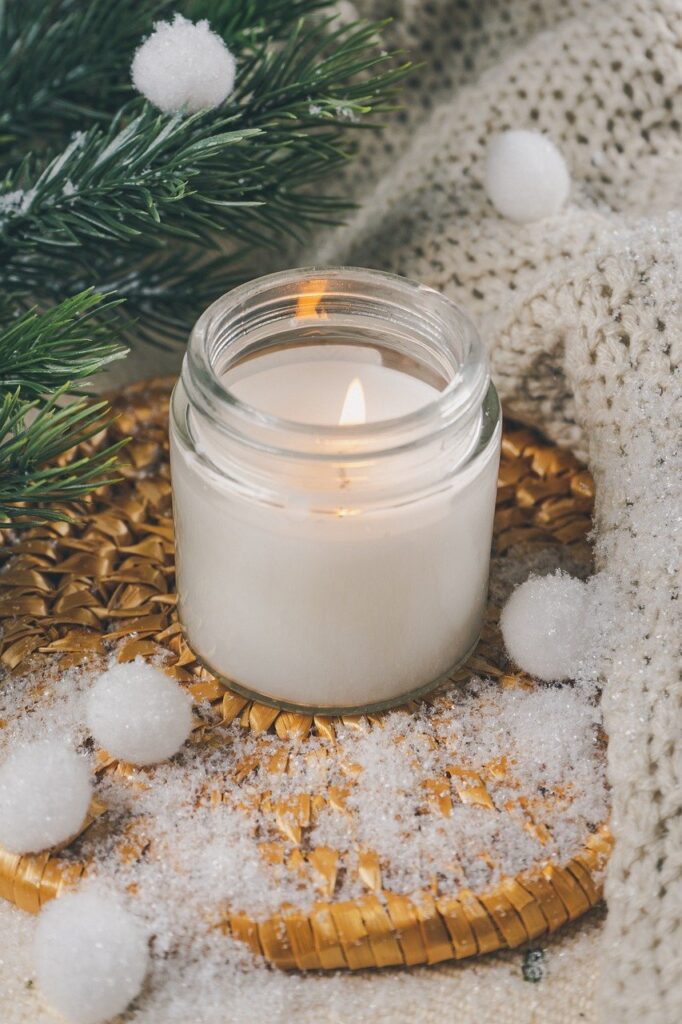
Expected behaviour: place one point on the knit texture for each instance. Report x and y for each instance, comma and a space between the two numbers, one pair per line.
581, 317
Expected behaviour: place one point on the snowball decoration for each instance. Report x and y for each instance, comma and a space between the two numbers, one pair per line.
44, 796
544, 625
183, 66
90, 956
138, 714
526, 176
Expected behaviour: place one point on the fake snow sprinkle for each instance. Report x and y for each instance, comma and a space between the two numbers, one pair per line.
203, 822
183, 66
91, 956
138, 714
526, 177
544, 626
44, 796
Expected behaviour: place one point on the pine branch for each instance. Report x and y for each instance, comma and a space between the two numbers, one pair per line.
135, 200
130, 179
244, 22
34, 464
114, 186
43, 359
65, 64
150, 178
165, 296
42, 352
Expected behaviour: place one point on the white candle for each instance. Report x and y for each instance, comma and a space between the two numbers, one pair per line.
346, 575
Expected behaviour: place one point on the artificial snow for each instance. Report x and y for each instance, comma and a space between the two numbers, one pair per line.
545, 626
526, 176
205, 818
16, 203
91, 956
184, 66
188, 839
138, 714
45, 791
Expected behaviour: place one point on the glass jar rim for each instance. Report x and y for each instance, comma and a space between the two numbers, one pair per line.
462, 396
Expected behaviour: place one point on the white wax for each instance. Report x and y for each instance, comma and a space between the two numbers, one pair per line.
331, 610
314, 391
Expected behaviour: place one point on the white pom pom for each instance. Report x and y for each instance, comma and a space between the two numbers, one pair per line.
526, 177
44, 796
544, 626
138, 714
183, 65
90, 957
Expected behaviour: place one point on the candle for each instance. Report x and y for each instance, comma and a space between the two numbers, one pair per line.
334, 447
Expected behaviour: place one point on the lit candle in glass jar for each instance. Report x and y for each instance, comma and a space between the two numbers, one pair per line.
334, 453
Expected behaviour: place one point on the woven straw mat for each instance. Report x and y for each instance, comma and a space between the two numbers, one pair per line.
74, 592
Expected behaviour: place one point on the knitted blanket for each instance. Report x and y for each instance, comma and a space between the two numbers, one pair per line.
582, 319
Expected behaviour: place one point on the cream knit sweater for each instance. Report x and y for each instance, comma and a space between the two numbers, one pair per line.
584, 325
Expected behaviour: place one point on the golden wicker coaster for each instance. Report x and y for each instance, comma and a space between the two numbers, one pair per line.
72, 592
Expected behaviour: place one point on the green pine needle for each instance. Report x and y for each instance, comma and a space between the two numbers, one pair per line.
245, 169
41, 352
44, 357
33, 437
103, 199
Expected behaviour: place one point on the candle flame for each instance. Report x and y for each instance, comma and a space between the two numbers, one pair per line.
353, 411
309, 303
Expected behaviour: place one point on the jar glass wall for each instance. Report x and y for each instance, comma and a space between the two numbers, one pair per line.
334, 449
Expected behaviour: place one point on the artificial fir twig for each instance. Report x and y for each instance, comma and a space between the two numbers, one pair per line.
30, 446
66, 63
43, 359
101, 193
42, 352
150, 178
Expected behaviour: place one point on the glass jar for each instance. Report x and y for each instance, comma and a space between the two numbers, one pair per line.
335, 442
